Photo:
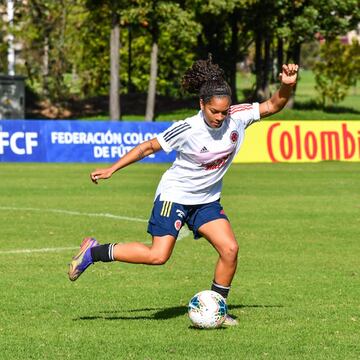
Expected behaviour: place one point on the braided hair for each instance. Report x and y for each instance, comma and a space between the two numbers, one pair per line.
206, 79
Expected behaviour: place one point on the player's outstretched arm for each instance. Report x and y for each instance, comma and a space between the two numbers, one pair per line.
288, 79
137, 153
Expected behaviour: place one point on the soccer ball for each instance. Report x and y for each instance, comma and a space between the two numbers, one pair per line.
207, 309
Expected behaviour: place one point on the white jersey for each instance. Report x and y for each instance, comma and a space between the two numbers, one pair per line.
204, 154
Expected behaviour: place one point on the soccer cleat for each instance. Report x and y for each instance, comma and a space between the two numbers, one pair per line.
82, 260
230, 321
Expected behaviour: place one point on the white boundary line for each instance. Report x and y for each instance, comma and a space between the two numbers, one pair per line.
183, 232
30, 251
75, 213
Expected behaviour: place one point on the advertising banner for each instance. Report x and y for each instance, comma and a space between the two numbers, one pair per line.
301, 141
102, 141
75, 141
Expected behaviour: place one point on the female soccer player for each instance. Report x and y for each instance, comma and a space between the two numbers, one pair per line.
189, 191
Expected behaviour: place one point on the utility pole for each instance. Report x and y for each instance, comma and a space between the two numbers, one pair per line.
11, 50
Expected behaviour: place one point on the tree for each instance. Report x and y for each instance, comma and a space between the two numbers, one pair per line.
286, 25
297, 23
262, 18
3, 44
113, 8
336, 17
225, 33
46, 30
165, 22
337, 70
154, 28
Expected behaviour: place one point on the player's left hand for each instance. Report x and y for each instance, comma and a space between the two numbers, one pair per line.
289, 73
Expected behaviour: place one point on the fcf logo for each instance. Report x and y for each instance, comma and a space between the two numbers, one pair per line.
20, 143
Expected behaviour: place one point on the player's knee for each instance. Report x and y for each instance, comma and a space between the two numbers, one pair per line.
159, 258
230, 252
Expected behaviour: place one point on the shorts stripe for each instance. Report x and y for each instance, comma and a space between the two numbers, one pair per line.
169, 209
163, 208
166, 208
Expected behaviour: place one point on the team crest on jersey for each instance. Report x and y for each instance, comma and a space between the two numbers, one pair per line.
177, 225
234, 136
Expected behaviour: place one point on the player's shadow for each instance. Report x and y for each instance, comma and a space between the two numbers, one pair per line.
157, 313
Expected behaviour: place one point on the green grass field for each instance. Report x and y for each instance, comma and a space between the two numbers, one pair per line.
296, 292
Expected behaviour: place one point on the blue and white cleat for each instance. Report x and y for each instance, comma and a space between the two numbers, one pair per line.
230, 321
83, 259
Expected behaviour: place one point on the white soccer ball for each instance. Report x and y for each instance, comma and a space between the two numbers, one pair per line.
207, 309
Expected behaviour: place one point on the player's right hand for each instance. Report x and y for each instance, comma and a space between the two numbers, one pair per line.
100, 174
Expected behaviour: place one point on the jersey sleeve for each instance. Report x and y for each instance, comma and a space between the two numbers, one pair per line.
246, 113
174, 136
